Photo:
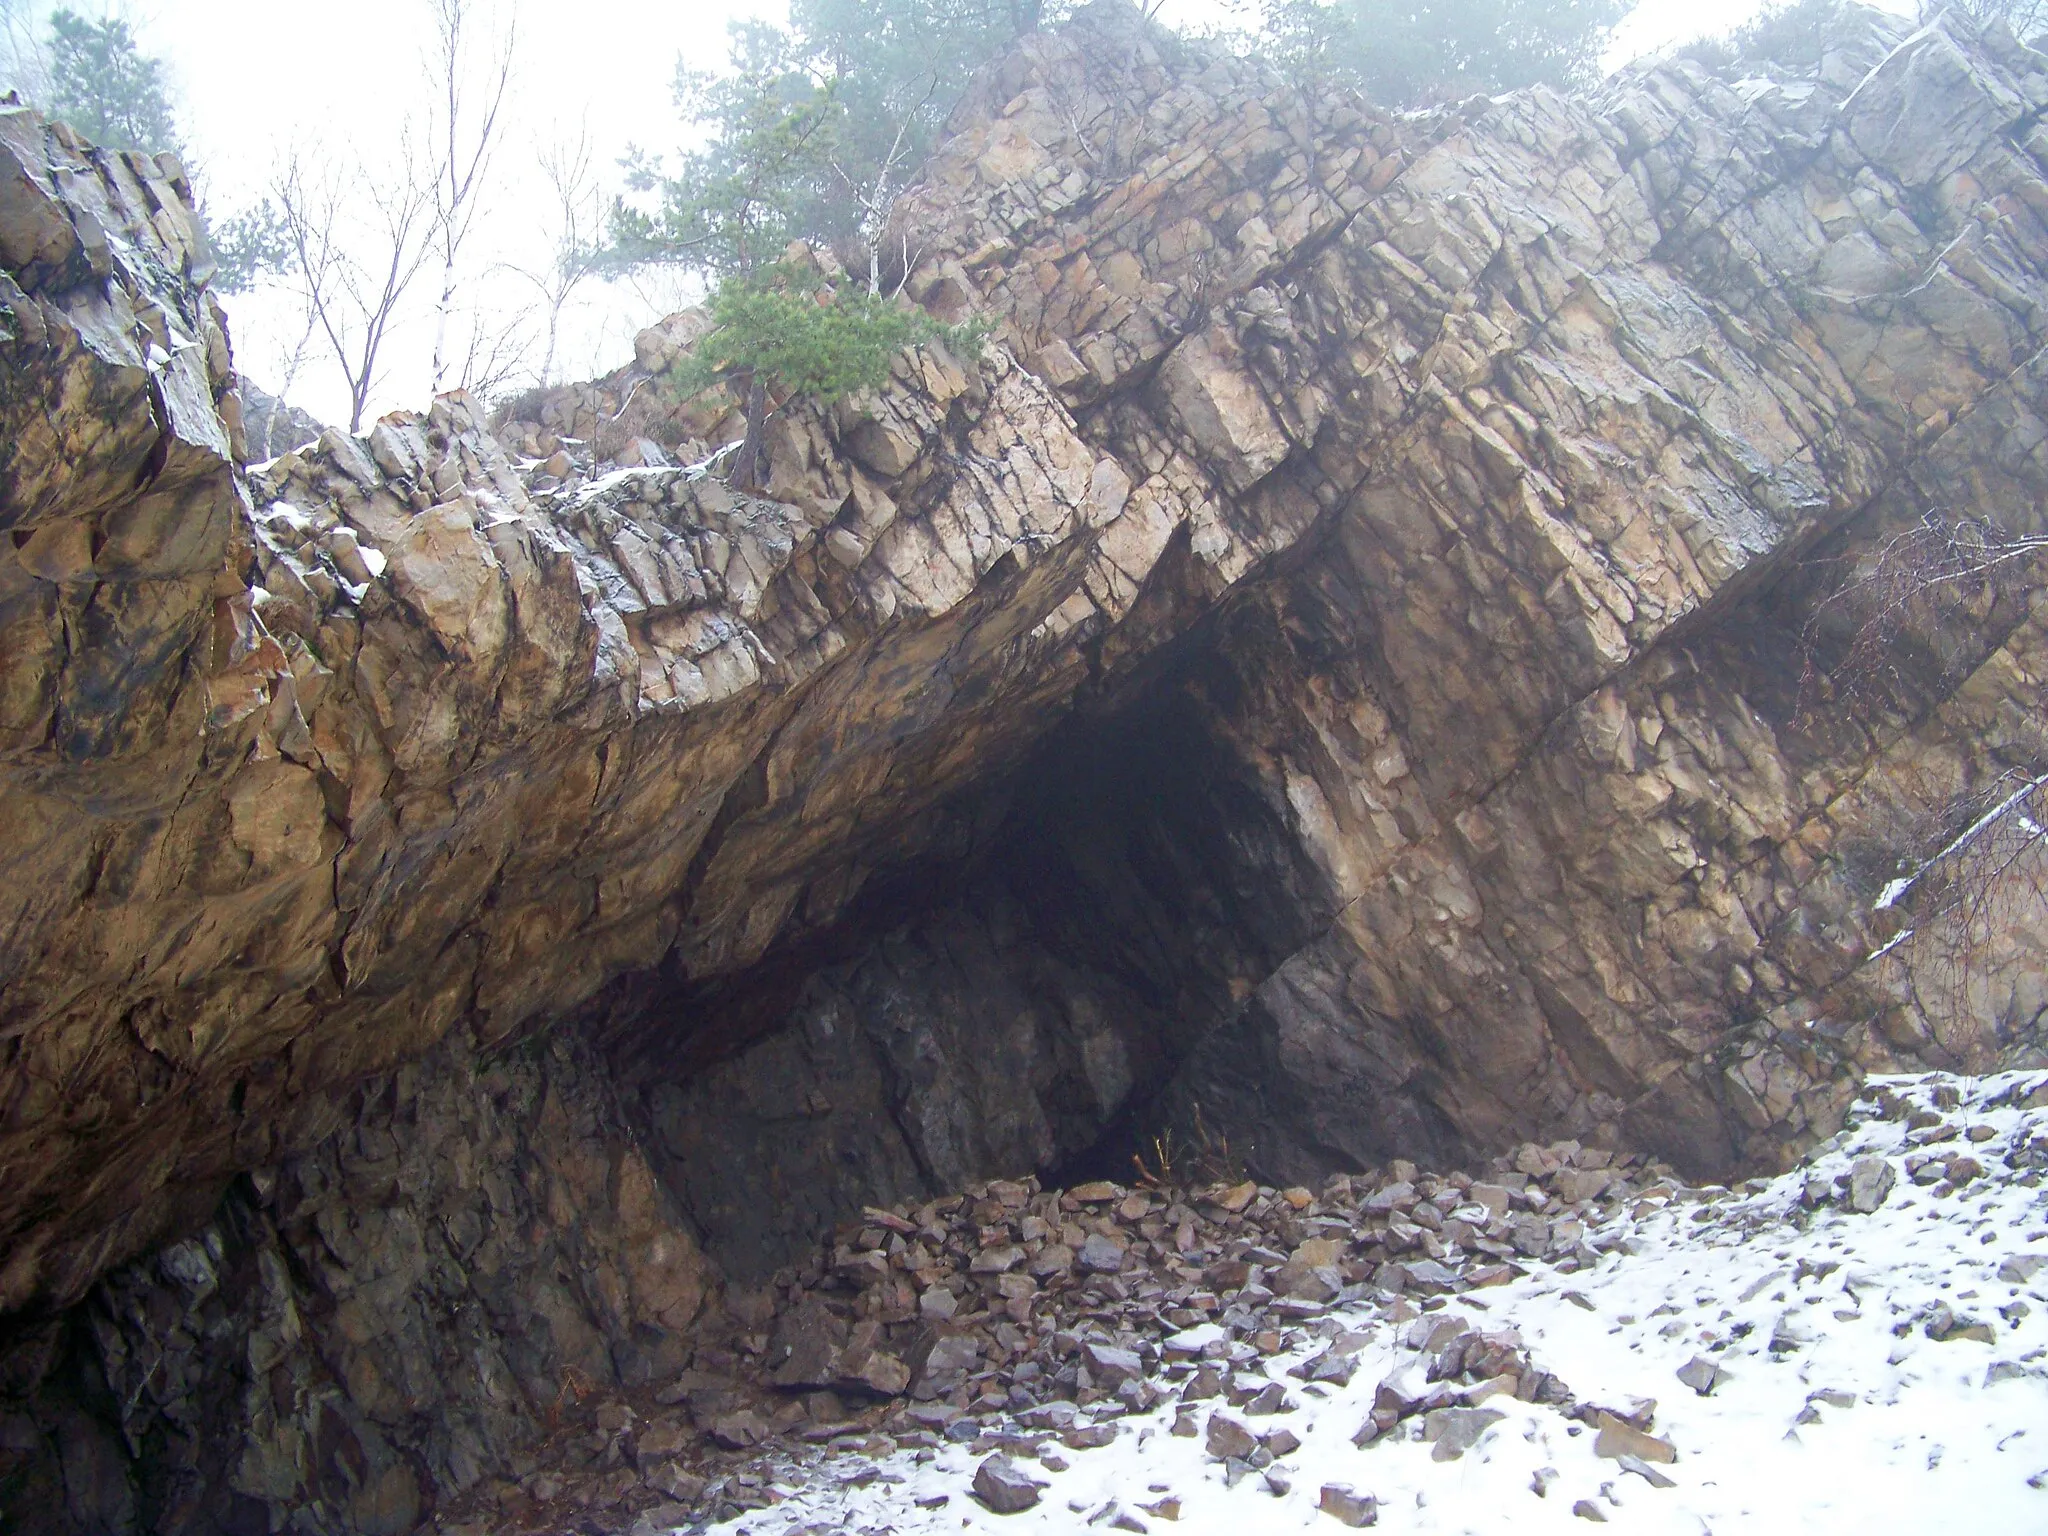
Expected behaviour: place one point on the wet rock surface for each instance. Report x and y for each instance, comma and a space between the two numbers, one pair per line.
1336, 678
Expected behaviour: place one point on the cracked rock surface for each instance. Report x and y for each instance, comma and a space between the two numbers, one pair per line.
1348, 671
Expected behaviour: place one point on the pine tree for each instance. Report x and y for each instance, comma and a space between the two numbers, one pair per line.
776, 169
105, 86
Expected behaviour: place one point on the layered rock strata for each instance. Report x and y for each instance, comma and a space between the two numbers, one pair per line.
1351, 660
1491, 473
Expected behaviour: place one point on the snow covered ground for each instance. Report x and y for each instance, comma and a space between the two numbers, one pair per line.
1878, 1372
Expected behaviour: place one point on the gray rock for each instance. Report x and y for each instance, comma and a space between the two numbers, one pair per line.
1645, 1471
2021, 1268
1453, 1431
1870, 1180
1433, 1278
951, 1358
1270, 1399
1701, 1374
1101, 1255
739, 1431
1617, 1439
1112, 1366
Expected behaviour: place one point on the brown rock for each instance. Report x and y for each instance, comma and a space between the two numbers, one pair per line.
1617, 1439
1003, 1487
1227, 1438
1347, 1507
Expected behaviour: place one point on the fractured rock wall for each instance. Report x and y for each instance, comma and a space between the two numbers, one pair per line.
1555, 406
371, 1329
1345, 660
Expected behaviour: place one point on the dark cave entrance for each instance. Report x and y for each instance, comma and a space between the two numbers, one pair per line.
1022, 1001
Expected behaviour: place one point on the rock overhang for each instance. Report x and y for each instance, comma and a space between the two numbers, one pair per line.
1454, 458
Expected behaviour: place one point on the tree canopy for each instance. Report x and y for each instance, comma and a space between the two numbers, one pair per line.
809, 135
814, 126
781, 326
1408, 53
105, 86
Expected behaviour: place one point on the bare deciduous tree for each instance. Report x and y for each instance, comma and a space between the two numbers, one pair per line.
576, 228
353, 263
24, 65
873, 194
497, 348
464, 134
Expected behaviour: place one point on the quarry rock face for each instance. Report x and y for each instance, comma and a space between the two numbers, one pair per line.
1350, 671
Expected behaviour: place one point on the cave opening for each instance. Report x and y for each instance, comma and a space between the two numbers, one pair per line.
1023, 997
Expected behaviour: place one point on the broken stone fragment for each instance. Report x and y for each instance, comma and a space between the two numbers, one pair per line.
1228, 1439
1617, 1439
1701, 1374
739, 1431
1331, 1367
1112, 1366
1642, 1469
1576, 1184
996, 1261
675, 1480
1267, 1401
951, 1359
1453, 1431
1101, 1254
1944, 1325
1005, 1488
877, 1371
1349, 1507
660, 1520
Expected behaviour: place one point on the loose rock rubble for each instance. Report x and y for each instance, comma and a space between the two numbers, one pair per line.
1662, 1354
1436, 499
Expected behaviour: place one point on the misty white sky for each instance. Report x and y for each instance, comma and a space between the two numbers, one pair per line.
254, 77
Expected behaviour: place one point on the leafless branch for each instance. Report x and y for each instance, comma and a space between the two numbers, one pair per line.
465, 138
495, 352
1938, 569
1971, 872
353, 263
575, 229
874, 196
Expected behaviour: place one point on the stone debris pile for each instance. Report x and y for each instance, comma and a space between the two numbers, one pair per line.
1013, 1349
1026, 1323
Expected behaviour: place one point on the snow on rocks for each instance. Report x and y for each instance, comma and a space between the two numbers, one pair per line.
1794, 1355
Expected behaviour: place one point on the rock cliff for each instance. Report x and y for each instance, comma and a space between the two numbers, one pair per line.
1349, 667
